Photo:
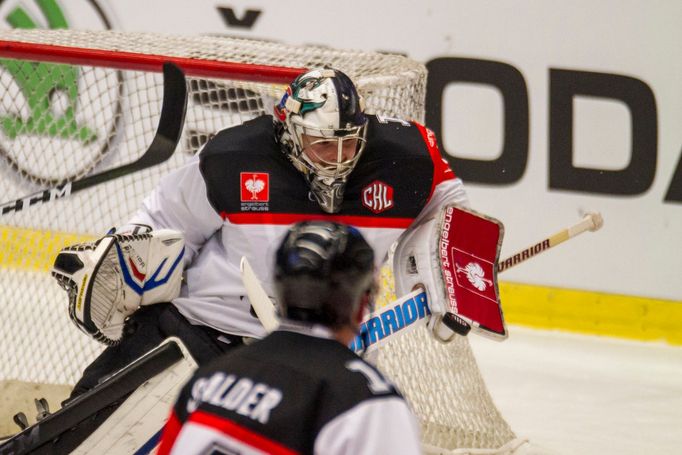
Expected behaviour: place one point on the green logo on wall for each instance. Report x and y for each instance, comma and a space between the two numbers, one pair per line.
50, 90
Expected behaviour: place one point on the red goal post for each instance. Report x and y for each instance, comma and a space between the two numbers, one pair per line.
133, 61
77, 102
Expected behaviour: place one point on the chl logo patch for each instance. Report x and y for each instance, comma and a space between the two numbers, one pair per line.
255, 186
377, 196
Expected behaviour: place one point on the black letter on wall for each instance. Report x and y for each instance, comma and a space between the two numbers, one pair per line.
511, 164
638, 176
231, 20
674, 193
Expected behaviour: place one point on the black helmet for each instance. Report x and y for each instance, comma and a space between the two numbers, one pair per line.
323, 271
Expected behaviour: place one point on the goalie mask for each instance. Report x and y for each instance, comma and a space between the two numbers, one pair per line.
323, 272
321, 126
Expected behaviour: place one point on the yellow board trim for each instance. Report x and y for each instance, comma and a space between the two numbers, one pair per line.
593, 313
34, 250
540, 307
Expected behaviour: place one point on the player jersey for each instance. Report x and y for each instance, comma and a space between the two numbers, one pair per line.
241, 193
291, 392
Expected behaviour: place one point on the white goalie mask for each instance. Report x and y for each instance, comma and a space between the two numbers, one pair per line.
321, 127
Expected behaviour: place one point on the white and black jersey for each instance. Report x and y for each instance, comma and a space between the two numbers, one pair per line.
240, 195
290, 393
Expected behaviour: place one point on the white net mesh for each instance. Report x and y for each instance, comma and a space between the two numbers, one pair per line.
443, 384
59, 123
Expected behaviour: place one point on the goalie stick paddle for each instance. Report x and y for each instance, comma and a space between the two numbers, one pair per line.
162, 147
259, 299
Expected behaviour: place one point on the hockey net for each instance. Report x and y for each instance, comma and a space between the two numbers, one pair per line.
75, 102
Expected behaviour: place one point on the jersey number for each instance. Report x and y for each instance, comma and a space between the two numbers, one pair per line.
384, 119
376, 383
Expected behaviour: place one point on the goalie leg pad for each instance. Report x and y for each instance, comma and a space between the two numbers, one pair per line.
120, 415
137, 422
145, 329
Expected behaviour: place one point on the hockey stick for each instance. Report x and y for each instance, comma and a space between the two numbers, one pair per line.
372, 336
590, 222
103, 398
259, 299
162, 147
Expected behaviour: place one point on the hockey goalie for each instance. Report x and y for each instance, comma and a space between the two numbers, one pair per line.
319, 156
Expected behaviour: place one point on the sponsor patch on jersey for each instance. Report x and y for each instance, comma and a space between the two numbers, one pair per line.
255, 191
377, 196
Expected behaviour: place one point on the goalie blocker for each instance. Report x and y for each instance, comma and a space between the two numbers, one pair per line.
453, 258
108, 280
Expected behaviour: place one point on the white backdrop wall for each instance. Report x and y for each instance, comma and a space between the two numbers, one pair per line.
504, 78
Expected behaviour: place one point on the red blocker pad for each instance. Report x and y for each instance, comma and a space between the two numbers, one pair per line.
469, 247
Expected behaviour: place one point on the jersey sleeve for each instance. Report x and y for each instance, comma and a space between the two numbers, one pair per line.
446, 187
180, 202
441, 168
381, 425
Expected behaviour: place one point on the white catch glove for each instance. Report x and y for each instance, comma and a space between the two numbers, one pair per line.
109, 279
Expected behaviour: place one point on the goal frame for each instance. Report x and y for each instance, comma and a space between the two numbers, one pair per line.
385, 90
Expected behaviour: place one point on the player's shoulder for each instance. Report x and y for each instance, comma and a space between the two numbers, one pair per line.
330, 362
251, 137
347, 374
351, 382
397, 138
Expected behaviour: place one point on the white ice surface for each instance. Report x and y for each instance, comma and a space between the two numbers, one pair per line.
588, 395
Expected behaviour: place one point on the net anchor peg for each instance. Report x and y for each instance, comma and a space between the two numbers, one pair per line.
21, 420
43, 408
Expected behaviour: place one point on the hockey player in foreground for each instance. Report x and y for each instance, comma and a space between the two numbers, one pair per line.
300, 389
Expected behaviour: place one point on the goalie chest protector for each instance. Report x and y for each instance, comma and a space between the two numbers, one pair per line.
247, 175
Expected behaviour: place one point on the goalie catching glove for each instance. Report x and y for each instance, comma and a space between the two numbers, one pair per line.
109, 279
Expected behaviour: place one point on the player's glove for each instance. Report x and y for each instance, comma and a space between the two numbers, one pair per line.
109, 279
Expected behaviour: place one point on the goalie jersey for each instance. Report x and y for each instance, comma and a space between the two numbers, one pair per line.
240, 194
269, 398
